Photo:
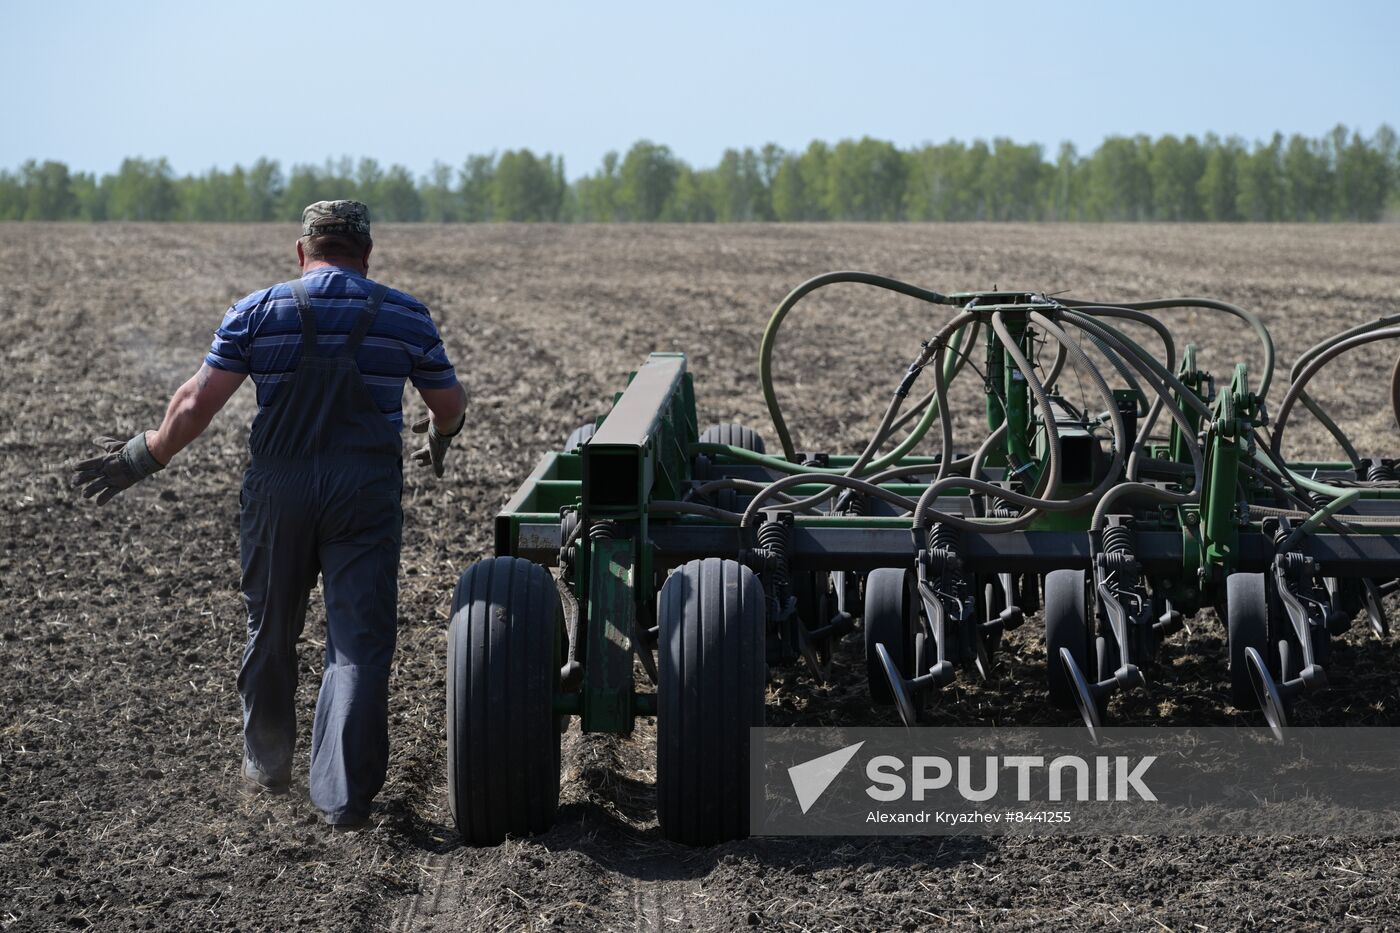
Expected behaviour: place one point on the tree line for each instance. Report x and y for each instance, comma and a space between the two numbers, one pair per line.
1340, 176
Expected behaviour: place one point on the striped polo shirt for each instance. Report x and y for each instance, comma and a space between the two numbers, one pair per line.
261, 335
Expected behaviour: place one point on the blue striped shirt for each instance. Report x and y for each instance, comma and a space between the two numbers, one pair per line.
261, 335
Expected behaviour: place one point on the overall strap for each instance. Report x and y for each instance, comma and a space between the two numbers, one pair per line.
366, 318
308, 317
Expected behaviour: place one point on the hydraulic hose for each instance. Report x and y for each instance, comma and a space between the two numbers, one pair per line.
932, 351
770, 334
1135, 489
1046, 501
1333, 350
1266, 373
1316, 409
849, 482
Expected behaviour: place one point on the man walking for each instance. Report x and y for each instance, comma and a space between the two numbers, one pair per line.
329, 354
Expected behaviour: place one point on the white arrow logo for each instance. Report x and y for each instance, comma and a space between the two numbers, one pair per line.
811, 778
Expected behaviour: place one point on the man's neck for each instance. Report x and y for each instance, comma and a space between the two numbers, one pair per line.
313, 264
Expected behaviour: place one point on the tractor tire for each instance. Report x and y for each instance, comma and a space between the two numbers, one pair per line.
1066, 626
889, 605
735, 435
580, 435
504, 650
1246, 626
712, 617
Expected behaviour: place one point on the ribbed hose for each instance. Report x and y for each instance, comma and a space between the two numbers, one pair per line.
770, 334
962, 343
1032, 504
1266, 374
848, 482
1146, 366
1395, 391
933, 351
742, 485
1154, 411
1317, 362
1316, 409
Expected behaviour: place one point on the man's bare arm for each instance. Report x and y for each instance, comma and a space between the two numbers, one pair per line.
191, 409
447, 405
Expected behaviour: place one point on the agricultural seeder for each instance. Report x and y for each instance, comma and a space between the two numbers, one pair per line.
711, 561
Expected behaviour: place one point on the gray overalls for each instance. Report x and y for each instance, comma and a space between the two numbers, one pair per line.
321, 495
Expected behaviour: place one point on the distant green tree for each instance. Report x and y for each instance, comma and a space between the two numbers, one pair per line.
866, 180
799, 189
143, 189
441, 203
476, 186
527, 187
645, 181
264, 185
1175, 167
1307, 180
1219, 185
598, 193
741, 188
1120, 179
1363, 180
216, 195
308, 184
1066, 184
1261, 183
13, 198
49, 191
90, 195
692, 198
1015, 181
396, 198
940, 183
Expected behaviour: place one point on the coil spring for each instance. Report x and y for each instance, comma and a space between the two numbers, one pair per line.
1117, 539
773, 542
602, 531
1381, 470
942, 537
1001, 510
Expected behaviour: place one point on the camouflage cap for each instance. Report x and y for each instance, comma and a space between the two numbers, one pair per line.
335, 218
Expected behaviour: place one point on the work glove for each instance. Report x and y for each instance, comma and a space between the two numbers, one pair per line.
436, 448
124, 464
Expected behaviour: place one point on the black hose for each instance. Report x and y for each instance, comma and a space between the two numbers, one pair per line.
770, 333
1317, 362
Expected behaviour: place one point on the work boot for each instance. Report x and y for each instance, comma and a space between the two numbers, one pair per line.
260, 779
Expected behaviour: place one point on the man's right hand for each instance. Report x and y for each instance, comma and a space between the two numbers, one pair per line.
124, 464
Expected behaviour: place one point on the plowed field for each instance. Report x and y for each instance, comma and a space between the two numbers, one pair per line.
120, 805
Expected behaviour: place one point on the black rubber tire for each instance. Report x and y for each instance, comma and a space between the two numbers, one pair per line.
503, 737
888, 599
580, 434
1066, 626
735, 435
711, 615
1246, 626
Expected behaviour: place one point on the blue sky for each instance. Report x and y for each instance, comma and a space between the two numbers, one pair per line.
214, 83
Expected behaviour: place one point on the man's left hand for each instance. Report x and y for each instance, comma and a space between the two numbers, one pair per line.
124, 464
438, 442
